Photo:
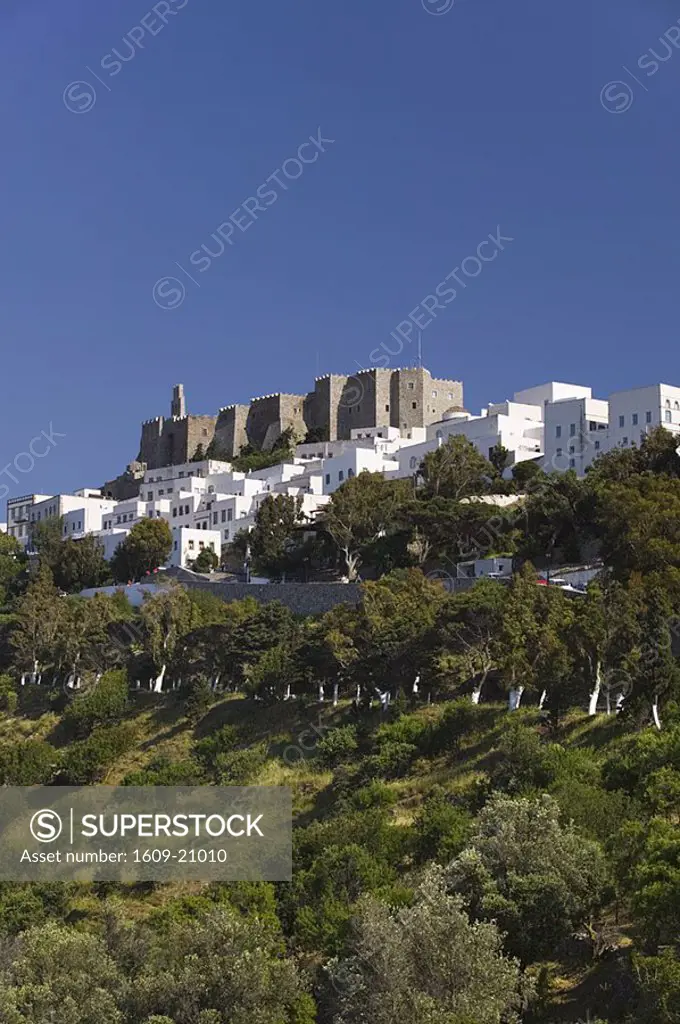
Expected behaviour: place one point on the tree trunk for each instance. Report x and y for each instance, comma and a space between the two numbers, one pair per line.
286, 695
158, 682
335, 695
655, 714
515, 698
594, 697
477, 691
322, 693
542, 700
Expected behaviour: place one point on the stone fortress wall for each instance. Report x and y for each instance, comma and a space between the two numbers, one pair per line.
403, 398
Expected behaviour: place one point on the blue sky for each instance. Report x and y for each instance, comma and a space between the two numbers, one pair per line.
445, 127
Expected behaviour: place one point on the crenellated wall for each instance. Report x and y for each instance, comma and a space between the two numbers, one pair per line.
403, 398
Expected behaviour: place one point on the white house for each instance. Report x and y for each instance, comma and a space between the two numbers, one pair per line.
575, 433
187, 544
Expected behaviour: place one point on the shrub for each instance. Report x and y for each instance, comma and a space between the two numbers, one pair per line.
88, 760
338, 746
104, 704
32, 763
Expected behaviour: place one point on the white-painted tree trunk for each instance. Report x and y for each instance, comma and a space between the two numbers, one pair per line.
595, 695
215, 682
322, 693
358, 692
476, 693
158, 682
335, 695
655, 714
608, 699
542, 701
515, 698
619, 702
23, 678
416, 684
286, 695
137, 684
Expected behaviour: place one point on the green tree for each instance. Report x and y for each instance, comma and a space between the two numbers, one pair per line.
58, 973
80, 564
271, 538
424, 964
39, 621
166, 617
538, 879
146, 547
206, 561
456, 470
12, 568
223, 968
360, 511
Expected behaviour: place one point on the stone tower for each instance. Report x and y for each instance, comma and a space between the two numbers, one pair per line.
178, 406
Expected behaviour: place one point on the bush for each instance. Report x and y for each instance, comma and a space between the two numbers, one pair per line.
8, 694
32, 763
338, 746
392, 762
239, 767
104, 704
441, 829
460, 718
164, 772
87, 761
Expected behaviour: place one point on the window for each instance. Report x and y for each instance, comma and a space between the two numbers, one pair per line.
571, 449
572, 463
668, 416
648, 417
450, 395
622, 420
597, 446
387, 408
174, 513
229, 515
413, 462
558, 431
224, 515
341, 475
182, 473
215, 515
191, 545
186, 510
592, 425
350, 473
414, 405
201, 545
624, 442
634, 419
558, 451
411, 385
572, 430
226, 534
676, 405
328, 478
439, 435
149, 496
174, 547
668, 404
434, 394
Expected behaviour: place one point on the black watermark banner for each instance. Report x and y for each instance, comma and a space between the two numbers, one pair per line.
151, 833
